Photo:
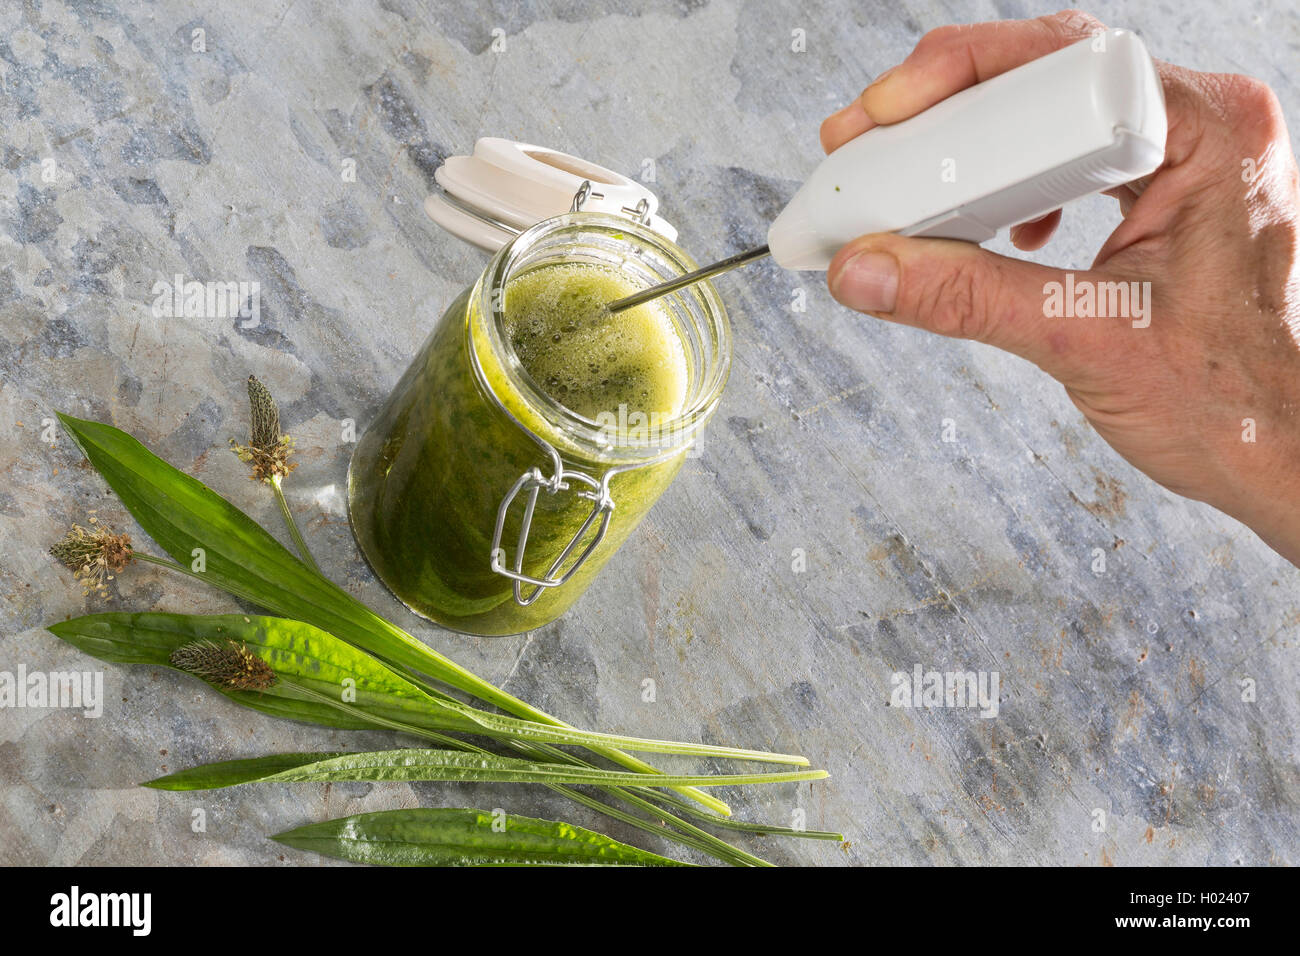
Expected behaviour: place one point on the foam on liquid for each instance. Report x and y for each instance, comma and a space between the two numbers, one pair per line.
584, 357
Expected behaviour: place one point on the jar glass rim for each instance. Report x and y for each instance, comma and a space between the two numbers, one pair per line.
651, 257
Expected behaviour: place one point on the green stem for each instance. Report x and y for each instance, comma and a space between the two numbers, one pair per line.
638, 795
512, 727
709, 845
670, 780
419, 657
547, 753
760, 829
687, 833
292, 525
694, 837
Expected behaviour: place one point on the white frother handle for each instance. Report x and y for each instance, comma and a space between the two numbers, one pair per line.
1088, 117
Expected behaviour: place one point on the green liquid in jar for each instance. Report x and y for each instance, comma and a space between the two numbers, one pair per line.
430, 472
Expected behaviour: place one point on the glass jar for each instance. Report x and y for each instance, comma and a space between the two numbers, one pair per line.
482, 502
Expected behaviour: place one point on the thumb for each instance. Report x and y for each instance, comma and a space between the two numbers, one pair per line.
959, 290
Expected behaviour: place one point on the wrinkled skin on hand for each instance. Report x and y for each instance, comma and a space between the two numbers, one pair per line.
1214, 230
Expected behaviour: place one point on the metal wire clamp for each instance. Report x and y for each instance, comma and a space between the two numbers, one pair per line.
532, 483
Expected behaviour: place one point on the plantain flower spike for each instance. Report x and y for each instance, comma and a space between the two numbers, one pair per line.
267, 450
230, 665
94, 556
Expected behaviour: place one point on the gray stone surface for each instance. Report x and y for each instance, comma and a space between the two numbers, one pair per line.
1121, 691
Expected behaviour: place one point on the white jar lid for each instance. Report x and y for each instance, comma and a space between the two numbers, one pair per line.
506, 187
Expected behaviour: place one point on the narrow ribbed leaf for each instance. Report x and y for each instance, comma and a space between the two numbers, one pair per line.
305, 658
410, 765
462, 837
312, 658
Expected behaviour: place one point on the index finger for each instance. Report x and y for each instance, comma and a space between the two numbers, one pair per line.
948, 60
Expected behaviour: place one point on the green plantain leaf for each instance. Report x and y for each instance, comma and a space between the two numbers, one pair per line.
230, 773
430, 765
304, 654
463, 837
186, 518
312, 661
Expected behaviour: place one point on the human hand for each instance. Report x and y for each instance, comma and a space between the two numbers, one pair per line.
1204, 398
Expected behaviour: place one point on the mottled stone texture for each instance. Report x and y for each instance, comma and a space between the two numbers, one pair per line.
127, 156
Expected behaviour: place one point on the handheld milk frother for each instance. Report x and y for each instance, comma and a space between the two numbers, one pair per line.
1086, 118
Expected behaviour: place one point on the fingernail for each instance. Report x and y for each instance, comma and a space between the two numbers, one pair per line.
867, 282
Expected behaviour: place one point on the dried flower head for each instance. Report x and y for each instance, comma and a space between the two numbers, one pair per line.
267, 450
93, 556
264, 416
230, 665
